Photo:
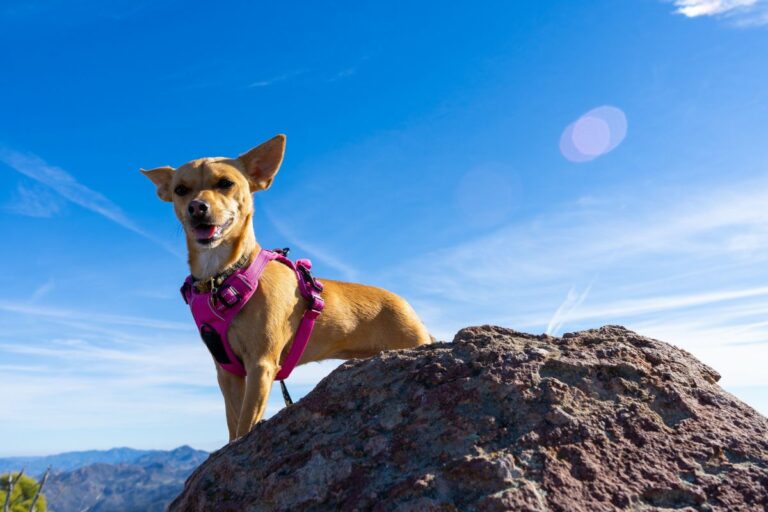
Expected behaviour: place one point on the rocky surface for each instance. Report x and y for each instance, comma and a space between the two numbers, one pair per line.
499, 420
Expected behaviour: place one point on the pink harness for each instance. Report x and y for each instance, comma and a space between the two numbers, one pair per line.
214, 311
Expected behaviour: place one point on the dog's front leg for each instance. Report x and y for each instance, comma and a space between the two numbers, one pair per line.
232, 389
258, 384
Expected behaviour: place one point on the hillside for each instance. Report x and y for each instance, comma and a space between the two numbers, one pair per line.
73, 460
120, 479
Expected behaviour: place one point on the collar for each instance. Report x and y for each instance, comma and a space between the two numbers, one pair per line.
210, 284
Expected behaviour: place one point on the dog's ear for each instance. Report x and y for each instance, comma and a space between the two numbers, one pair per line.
262, 162
161, 177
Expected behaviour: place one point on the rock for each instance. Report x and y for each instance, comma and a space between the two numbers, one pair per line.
602, 419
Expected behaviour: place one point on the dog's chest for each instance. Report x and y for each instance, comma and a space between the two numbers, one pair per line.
211, 262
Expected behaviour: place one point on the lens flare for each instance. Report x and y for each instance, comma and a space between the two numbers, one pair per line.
594, 134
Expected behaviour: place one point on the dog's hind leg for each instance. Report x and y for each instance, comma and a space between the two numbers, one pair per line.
400, 326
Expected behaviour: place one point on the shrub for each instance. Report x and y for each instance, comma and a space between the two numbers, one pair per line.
24, 490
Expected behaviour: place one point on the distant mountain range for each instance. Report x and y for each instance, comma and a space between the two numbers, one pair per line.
119, 480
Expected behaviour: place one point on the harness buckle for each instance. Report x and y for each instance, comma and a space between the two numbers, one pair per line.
228, 295
316, 304
303, 266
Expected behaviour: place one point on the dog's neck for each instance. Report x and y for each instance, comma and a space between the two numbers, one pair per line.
206, 263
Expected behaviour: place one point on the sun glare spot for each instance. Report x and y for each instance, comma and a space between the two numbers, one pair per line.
594, 134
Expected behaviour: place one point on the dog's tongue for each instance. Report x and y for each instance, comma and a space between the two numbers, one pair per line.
205, 232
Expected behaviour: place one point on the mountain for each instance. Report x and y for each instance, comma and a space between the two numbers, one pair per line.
116, 480
146, 484
499, 420
74, 460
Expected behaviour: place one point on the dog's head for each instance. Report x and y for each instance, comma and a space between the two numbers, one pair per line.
212, 196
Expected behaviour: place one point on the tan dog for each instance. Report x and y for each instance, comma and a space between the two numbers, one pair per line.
212, 197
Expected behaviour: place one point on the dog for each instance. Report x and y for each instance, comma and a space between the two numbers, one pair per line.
213, 200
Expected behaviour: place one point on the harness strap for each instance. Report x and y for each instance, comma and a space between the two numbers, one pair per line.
310, 289
215, 309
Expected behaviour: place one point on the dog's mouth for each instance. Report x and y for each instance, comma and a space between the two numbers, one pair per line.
206, 234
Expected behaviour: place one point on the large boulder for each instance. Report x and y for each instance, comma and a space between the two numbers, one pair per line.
602, 419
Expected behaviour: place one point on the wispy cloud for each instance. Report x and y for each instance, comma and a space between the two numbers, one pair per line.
572, 301
700, 261
108, 391
694, 8
278, 78
69, 315
69, 188
110, 379
341, 74
344, 73
42, 290
346, 270
632, 308
34, 201
109, 385
284, 77
738, 12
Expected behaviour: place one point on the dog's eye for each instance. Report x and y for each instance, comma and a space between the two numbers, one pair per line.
181, 190
224, 183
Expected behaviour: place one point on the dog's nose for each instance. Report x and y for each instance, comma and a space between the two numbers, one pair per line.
197, 208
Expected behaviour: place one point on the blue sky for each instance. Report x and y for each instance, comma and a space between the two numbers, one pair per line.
548, 166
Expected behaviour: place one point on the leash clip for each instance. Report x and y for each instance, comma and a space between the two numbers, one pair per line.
228, 295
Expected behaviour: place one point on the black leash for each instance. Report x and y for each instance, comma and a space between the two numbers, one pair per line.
286, 396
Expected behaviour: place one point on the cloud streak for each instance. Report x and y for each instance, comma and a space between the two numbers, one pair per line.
278, 78
695, 8
698, 263
116, 387
42, 290
111, 380
69, 316
572, 301
347, 271
632, 308
740, 13
63, 183
35, 201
